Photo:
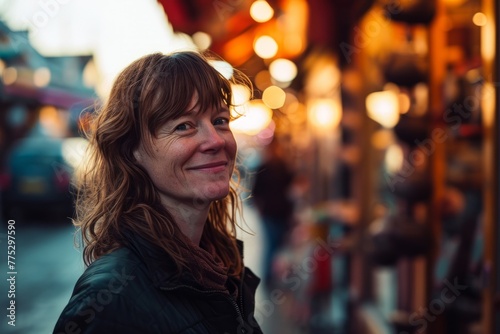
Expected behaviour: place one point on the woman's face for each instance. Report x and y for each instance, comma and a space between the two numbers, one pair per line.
191, 158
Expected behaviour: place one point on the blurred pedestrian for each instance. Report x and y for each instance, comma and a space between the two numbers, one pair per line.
272, 196
156, 207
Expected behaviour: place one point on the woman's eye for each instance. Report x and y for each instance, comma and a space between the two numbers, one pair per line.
183, 127
221, 121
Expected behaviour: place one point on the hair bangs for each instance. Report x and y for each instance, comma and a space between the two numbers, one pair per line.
177, 78
195, 74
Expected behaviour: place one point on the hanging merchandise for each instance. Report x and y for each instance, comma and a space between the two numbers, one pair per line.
413, 130
412, 182
407, 65
380, 247
414, 187
406, 68
396, 236
411, 11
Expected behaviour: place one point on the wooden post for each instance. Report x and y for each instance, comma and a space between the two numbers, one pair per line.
491, 124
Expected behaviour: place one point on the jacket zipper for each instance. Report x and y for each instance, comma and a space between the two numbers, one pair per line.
240, 292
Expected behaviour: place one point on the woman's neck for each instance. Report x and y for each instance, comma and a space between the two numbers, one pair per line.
191, 221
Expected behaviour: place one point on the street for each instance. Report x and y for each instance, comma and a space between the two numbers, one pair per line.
45, 268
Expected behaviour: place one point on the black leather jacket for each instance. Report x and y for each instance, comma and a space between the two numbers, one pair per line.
131, 291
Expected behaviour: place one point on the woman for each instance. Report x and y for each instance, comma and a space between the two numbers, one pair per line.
156, 208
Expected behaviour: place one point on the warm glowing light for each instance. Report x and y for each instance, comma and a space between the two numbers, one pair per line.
454, 3
223, 67
265, 47
256, 118
9, 75
392, 87
323, 78
283, 70
404, 103
41, 77
274, 97
52, 121
421, 99
293, 44
202, 40
394, 158
261, 11
383, 107
487, 46
488, 104
381, 139
324, 113
48, 114
293, 24
240, 96
479, 19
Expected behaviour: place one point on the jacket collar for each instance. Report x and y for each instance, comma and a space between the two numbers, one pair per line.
161, 266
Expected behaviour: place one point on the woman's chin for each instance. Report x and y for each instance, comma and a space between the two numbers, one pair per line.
214, 192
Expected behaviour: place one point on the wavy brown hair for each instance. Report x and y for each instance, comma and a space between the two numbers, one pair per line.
115, 196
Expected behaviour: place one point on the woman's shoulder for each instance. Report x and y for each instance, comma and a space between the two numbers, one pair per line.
110, 270
108, 289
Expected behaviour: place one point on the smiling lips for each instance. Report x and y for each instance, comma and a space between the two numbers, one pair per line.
211, 167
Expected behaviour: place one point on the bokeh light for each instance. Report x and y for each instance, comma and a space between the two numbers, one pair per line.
383, 107
202, 40
223, 68
41, 77
261, 11
324, 113
256, 117
394, 158
479, 19
9, 75
383, 138
240, 96
274, 97
265, 47
404, 103
283, 70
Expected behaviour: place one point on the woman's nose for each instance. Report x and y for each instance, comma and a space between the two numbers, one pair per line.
212, 139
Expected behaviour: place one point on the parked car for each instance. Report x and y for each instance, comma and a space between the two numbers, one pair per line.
38, 174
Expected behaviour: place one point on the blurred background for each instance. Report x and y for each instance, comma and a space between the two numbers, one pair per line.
369, 153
